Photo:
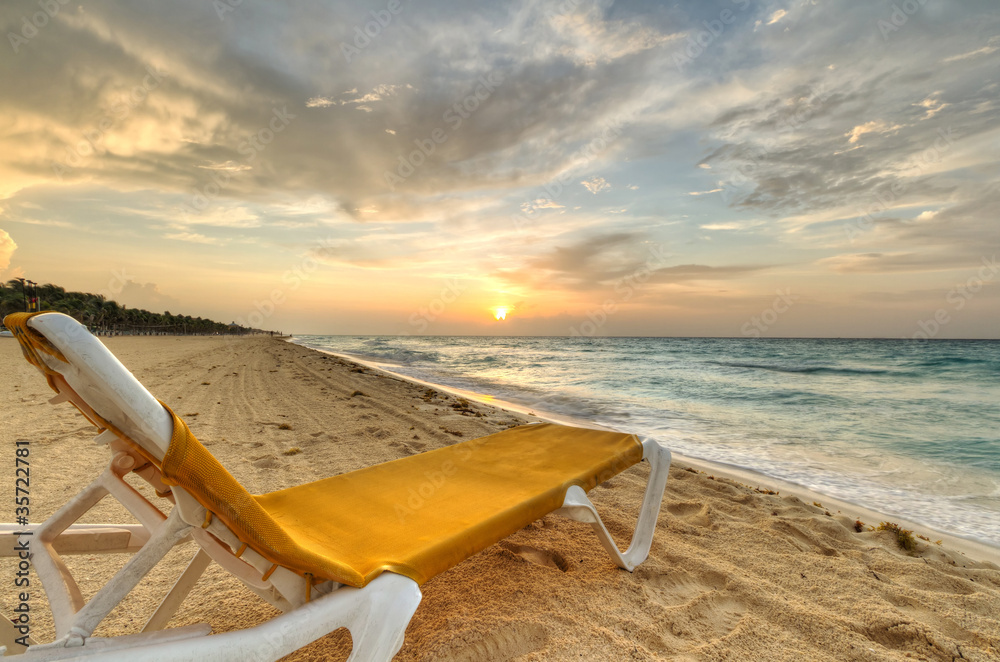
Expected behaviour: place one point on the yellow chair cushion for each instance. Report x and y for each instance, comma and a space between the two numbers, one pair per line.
417, 516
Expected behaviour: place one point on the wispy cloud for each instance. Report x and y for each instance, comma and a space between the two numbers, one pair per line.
193, 237
596, 184
777, 16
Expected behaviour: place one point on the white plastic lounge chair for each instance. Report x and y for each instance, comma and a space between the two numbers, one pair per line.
348, 551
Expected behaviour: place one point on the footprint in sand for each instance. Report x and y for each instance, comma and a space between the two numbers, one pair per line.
922, 613
707, 618
506, 642
266, 462
409, 447
684, 509
376, 432
677, 587
693, 512
697, 609
913, 632
541, 557
801, 539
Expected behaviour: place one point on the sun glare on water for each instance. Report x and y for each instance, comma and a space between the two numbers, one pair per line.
500, 313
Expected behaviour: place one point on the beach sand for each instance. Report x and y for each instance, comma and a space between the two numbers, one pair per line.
734, 573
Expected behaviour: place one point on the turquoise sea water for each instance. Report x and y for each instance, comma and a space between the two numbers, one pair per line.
908, 428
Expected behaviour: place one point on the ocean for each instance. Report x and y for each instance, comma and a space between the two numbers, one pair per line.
907, 428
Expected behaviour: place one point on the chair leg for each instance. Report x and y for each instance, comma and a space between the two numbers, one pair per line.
173, 599
379, 634
578, 507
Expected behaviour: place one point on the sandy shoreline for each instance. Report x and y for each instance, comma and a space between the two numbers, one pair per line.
734, 573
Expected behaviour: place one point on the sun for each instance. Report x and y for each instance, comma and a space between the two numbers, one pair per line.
500, 313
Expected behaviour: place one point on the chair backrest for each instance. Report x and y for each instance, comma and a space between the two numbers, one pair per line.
104, 385
97, 377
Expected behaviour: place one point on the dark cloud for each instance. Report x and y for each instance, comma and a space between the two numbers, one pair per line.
600, 261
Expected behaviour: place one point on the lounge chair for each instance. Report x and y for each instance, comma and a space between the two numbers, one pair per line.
347, 551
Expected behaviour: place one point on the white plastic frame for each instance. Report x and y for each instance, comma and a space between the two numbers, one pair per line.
577, 506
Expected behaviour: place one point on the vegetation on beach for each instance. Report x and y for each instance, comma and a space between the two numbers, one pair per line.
107, 316
904, 537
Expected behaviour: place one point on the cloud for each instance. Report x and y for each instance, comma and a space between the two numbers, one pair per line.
378, 93
7, 248
898, 262
684, 273
583, 264
731, 225
777, 16
584, 68
597, 262
228, 166
320, 102
363, 255
147, 296
875, 126
596, 184
531, 206
697, 193
193, 237
223, 217
933, 105
985, 50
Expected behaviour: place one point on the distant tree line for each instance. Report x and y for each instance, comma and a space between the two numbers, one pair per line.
108, 317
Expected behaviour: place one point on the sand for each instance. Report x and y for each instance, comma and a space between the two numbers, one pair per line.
734, 573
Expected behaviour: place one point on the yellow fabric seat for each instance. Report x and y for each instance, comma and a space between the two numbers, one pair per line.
423, 514
417, 516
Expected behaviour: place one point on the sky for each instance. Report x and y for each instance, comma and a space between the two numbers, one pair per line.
735, 168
